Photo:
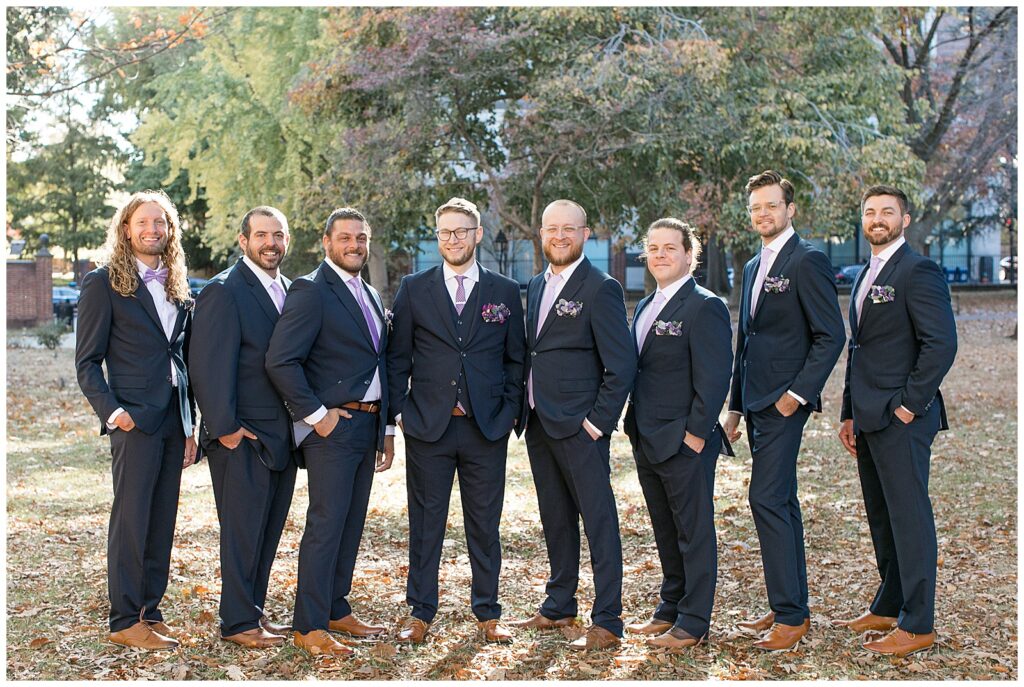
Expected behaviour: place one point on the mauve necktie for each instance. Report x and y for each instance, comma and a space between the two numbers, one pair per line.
357, 288
762, 272
876, 264
460, 293
277, 295
648, 318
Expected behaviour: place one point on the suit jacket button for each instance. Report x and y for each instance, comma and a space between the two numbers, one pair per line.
533, 354
367, 382
463, 355
168, 378
453, 382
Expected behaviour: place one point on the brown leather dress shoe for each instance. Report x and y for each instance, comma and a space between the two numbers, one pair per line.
868, 621
256, 638
493, 631
675, 638
413, 631
160, 627
784, 637
540, 622
274, 628
320, 642
761, 624
651, 627
355, 627
141, 636
596, 639
901, 643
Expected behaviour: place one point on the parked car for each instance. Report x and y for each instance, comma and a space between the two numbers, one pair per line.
195, 285
65, 301
848, 274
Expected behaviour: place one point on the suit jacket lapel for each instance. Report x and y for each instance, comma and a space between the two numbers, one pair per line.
880, 279
670, 309
749, 272
378, 306
258, 291
146, 298
344, 295
640, 307
534, 293
486, 287
567, 293
442, 301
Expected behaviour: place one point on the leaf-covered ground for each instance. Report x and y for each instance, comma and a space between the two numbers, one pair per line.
58, 494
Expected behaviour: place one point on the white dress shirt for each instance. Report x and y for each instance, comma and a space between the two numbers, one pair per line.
168, 314
373, 392
669, 291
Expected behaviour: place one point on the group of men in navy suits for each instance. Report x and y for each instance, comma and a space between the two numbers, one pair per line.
316, 373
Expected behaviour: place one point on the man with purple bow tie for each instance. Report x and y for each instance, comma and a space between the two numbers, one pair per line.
327, 360
134, 316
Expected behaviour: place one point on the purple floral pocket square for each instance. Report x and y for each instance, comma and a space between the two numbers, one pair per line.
776, 284
663, 328
564, 308
882, 294
496, 313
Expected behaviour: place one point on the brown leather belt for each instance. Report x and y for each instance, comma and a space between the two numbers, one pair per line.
373, 408
458, 412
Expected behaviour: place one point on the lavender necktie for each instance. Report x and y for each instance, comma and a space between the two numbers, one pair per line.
460, 293
762, 272
277, 295
545, 306
648, 318
876, 265
357, 288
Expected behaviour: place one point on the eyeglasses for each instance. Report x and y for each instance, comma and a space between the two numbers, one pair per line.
771, 207
446, 234
568, 232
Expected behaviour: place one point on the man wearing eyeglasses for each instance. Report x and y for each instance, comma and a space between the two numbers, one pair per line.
789, 337
458, 334
580, 368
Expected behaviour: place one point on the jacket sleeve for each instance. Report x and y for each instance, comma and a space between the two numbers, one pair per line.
932, 317
617, 353
820, 303
711, 361
294, 335
213, 358
736, 392
515, 352
400, 344
847, 411
95, 313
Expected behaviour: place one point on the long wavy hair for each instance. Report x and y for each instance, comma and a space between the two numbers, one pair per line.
124, 271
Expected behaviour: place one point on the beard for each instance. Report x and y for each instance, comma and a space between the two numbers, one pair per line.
575, 250
458, 260
352, 263
266, 259
158, 248
890, 235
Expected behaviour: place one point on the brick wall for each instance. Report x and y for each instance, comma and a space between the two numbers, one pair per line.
30, 291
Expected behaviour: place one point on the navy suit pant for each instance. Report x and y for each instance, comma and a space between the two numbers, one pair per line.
340, 471
252, 506
893, 464
680, 497
572, 477
430, 470
147, 476
774, 446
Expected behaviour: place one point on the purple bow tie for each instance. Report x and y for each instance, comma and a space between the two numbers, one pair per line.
160, 275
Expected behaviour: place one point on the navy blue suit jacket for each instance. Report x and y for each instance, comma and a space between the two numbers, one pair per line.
425, 345
321, 352
126, 333
681, 381
583, 366
796, 335
231, 329
901, 350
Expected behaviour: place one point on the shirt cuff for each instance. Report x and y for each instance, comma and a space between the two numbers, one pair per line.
113, 416
591, 426
907, 410
799, 398
316, 416
736, 412
389, 431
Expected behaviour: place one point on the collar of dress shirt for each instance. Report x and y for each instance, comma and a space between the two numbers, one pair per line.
673, 288
566, 273
473, 273
779, 241
890, 250
261, 274
345, 275
142, 267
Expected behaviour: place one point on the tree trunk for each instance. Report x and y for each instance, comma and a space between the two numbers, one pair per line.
378, 268
717, 279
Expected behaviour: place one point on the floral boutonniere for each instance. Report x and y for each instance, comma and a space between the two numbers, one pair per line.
776, 284
564, 308
882, 294
495, 313
189, 304
663, 328
389, 318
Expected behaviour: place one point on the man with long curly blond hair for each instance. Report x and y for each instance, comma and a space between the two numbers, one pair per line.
134, 314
